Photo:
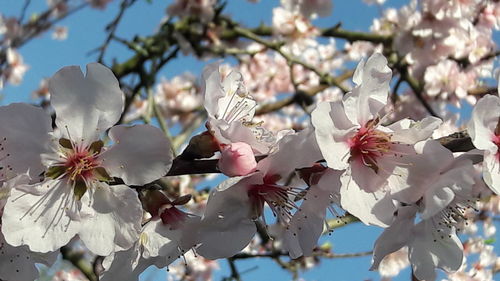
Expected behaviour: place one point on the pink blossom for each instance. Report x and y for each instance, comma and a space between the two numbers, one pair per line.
490, 16
60, 33
16, 67
237, 159
484, 130
309, 8
292, 24
203, 9
447, 80
228, 222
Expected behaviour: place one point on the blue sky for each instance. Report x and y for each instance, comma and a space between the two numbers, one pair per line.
86, 31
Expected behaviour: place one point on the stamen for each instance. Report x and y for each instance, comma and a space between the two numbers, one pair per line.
278, 198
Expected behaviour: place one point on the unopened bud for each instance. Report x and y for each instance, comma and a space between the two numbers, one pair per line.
237, 159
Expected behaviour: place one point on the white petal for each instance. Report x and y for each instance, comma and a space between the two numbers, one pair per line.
483, 122
413, 132
440, 193
375, 208
86, 105
24, 135
159, 240
491, 171
112, 219
236, 104
372, 90
306, 225
395, 236
128, 265
282, 162
44, 222
226, 227
212, 88
140, 155
236, 132
18, 263
369, 180
424, 169
428, 251
332, 129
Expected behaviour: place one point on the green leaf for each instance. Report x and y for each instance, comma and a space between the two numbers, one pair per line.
490, 241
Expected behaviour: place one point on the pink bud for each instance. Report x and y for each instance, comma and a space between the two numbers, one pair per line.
237, 159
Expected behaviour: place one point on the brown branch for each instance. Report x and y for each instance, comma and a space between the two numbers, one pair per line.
456, 142
111, 27
277, 254
298, 96
417, 89
235, 275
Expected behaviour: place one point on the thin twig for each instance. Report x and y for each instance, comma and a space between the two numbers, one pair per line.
23, 11
111, 28
235, 275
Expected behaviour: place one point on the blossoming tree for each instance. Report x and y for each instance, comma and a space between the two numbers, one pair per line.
293, 130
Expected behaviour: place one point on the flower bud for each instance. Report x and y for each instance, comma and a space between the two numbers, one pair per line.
237, 159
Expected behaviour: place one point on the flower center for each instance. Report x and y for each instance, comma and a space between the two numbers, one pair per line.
79, 165
454, 216
368, 145
278, 198
159, 205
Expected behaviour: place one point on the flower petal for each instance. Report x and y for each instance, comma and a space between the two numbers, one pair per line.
140, 155
44, 222
212, 88
128, 265
371, 93
395, 236
408, 131
112, 219
491, 171
306, 225
24, 135
226, 227
159, 240
483, 122
375, 208
86, 105
428, 252
18, 263
282, 162
332, 129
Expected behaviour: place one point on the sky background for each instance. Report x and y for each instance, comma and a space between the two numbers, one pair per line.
86, 32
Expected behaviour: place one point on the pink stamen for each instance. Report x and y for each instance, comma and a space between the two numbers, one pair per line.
368, 145
277, 197
80, 165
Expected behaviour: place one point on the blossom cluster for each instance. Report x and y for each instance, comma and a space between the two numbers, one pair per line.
301, 150
64, 183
